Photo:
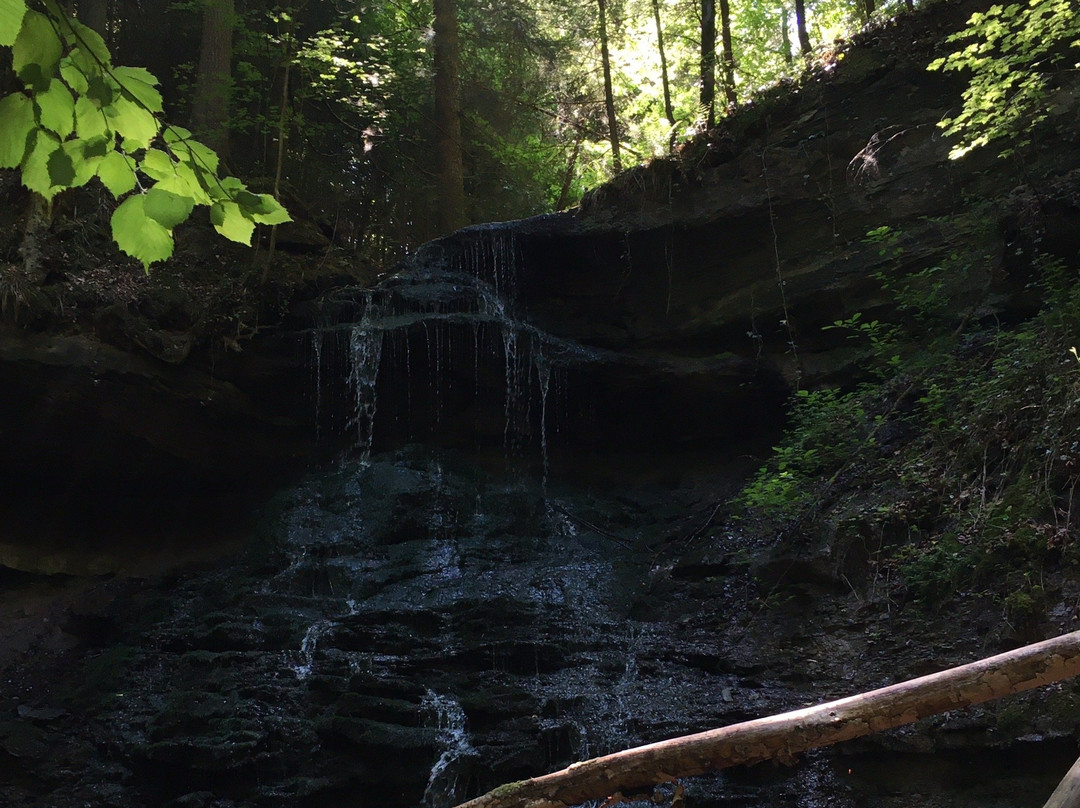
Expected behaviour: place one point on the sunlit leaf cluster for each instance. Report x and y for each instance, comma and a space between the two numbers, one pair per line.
81, 117
1013, 54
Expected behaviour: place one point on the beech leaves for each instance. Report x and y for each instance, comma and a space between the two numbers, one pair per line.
82, 117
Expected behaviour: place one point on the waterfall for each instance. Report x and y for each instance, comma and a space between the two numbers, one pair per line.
365, 353
418, 352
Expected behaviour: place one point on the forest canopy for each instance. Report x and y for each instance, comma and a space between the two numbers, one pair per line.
388, 122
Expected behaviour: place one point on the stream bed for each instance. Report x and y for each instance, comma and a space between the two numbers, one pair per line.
412, 628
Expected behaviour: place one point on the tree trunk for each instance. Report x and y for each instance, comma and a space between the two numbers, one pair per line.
213, 85
283, 134
38, 221
95, 14
868, 7
708, 61
568, 175
1067, 794
669, 110
609, 93
450, 215
785, 37
800, 24
781, 736
729, 53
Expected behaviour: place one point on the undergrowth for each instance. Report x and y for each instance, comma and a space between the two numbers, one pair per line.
964, 448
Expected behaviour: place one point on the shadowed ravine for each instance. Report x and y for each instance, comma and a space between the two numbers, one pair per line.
480, 589
469, 525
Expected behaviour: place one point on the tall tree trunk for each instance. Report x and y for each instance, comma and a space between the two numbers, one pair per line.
568, 175
283, 133
669, 110
609, 93
450, 215
95, 14
708, 61
729, 53
213, 85
38, 221
785, 37
800, 24
868, 7
781, 736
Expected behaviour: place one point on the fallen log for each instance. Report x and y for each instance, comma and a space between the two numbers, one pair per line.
1067, 794
782, 736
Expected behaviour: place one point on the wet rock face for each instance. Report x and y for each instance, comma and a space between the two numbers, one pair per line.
425, 626
410, 630
446, 352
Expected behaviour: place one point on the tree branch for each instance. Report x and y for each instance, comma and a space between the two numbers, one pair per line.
782, 736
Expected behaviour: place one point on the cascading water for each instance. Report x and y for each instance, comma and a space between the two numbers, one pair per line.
428, 339
446, 715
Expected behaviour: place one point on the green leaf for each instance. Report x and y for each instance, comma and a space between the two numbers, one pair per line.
86, 157
61, 168
96, 147
90, 122
269, 211
117, 173
35, 168
230, 221
138, 84
90, 41
100, 90
138, 235
137, 74
57, 108
74, 76
198, 155
156, 164
233, 185
226, 188
11, 18
248, 202
166, 208
185, 183
16, 122
84, 62
175, 134
133, 123
36, 51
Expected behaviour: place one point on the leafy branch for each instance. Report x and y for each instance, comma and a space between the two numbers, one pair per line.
81, 117
1012, 52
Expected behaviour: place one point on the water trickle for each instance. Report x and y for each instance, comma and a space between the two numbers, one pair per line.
309, 645
543, 375
365, 355
317, 358
445, 714
513, 391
